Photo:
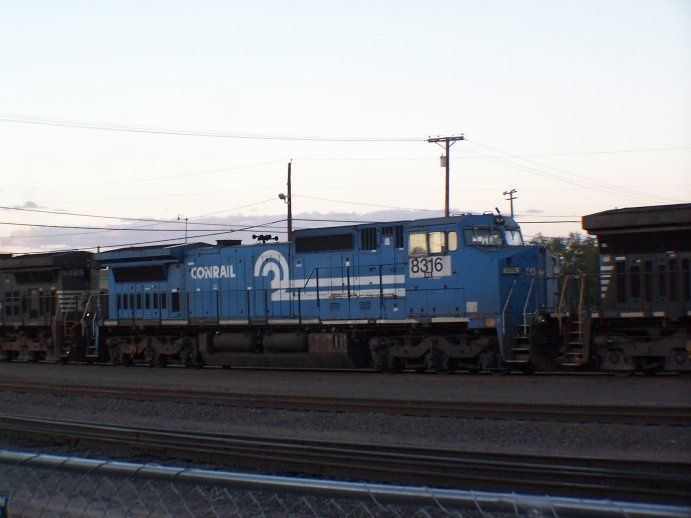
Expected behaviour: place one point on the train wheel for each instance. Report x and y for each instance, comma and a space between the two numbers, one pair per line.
151, 357
528, 368
440, 362
501, 371
380, 360
621, 373
450, 366
397, 366
652, 367
124, 359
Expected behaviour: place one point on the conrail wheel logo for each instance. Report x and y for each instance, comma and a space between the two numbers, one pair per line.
272, 263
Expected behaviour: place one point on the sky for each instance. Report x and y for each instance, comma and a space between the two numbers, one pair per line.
128, 122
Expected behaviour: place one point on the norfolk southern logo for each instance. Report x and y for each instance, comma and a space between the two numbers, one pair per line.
272, 264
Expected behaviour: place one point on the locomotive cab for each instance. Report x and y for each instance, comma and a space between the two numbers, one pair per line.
473, 288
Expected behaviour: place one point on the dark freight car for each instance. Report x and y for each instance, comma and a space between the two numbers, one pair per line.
44, 299
642, 319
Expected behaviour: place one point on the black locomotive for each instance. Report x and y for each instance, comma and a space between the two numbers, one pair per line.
641, 319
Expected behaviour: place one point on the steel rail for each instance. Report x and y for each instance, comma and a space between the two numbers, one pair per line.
629, 414
662, 482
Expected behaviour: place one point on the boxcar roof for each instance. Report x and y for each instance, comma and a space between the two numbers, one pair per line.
639, 218
68, 259
146, 253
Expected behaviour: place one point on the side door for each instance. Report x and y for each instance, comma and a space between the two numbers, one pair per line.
431, 287
174, 303
392, 271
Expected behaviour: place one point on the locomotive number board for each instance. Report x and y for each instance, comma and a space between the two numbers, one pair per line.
430, 267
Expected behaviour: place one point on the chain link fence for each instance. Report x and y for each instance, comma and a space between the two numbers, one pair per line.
46, 485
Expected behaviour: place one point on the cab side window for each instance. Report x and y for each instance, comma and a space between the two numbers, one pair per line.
437, 242
417, 244
426, 243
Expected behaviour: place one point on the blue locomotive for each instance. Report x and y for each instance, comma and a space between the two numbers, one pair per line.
439, 294
431, 294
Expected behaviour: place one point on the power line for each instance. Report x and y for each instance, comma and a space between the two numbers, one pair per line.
594, 184
160, 241
504, 155
61, 213
104, 229
22, 119
548, 222
356, 221
234, 208
120, 218
153, 179
579, 153
364, 204
560, 175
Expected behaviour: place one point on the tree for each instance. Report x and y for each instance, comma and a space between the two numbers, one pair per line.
576, 253
577, 256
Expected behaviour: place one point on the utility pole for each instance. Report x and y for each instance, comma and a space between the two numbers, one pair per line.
289, 201
290, 205
511, 197
186, 219
445, 162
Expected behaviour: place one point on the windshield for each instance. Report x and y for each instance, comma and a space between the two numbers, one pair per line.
483, 237
513, 237
490, 236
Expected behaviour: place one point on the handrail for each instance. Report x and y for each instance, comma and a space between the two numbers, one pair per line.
561, 302
581, 296
86, 306
75, 300
527, 301
307, 280
86, 310
503, 311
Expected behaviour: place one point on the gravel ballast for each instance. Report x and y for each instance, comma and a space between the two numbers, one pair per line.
476, 434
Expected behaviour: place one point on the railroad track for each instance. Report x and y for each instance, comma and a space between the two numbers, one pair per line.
660, 482
652, 415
